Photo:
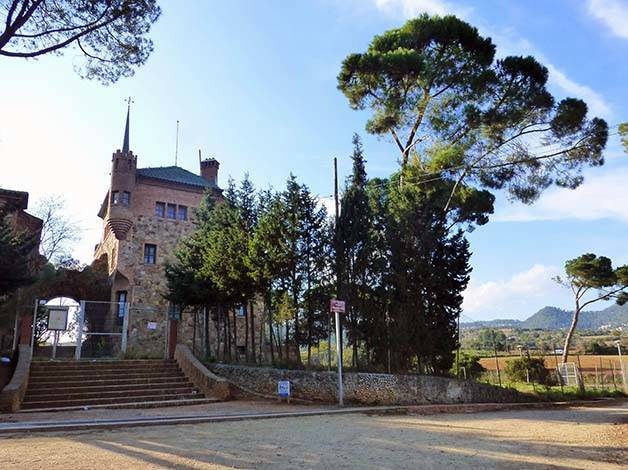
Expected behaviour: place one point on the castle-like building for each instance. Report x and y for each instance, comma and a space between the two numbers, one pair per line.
146, 213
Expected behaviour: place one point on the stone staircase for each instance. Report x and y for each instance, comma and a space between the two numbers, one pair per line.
75, 385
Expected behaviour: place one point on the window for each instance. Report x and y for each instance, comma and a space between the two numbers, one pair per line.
125, 198
150, 253
115, 197
172, 211
183, 213
240, 311
160, 209
122, 306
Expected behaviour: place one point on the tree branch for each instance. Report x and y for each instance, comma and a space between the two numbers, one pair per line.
606, 295
59, 45
396, 139
65, 30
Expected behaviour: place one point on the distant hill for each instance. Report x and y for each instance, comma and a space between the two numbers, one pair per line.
553, 318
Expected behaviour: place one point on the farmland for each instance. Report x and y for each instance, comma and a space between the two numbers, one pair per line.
587, 363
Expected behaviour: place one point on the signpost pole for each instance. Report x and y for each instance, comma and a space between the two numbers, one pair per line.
54, 344
339, 354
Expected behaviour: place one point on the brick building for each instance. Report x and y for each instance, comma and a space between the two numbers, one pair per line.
146, 213
13, 205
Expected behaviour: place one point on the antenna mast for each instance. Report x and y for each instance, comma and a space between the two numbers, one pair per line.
176, 150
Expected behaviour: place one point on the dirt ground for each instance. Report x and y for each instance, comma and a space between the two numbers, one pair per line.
584, 437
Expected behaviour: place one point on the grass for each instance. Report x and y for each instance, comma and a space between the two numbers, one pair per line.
568, 393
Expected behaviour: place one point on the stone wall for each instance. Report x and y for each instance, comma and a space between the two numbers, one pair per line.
202, 378
12, 394
368, 389
142, 341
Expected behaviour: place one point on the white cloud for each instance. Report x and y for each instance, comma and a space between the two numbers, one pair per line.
410, 8
511, 298
508, 43
613, 13
599, 197
597, 105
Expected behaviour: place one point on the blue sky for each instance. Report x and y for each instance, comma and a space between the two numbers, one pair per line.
253, 85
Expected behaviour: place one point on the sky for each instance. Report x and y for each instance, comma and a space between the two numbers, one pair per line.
253, 85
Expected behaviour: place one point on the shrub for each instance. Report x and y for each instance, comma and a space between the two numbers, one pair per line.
471, 364
518, 369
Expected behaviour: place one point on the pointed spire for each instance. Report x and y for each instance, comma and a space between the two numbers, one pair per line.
125, 143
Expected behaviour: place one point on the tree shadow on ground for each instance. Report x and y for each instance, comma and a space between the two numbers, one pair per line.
356, 441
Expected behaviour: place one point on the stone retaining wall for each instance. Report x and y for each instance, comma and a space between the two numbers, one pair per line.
12, 394
364, 388
208, 383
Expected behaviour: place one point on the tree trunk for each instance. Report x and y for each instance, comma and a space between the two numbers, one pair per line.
269, 312
227, 336
570, 332
217, 333
235, 337
297, 333
252, 312
206, 317
246, 333
194, 321
262, 337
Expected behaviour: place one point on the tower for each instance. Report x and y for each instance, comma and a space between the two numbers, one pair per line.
123, 170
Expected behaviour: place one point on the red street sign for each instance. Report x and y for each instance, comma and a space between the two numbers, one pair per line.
337, 306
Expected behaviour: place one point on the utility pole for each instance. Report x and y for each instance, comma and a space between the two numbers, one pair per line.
176, 147
499, 376
458, 351
338, 248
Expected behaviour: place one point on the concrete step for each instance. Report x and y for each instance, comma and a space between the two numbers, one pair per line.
46, 392
139, 404
96, 371
109, 376
47, 367
56, 395
105, 383
95, 362
88, 402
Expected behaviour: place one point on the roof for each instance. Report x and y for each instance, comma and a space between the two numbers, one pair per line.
18, 199
175, 174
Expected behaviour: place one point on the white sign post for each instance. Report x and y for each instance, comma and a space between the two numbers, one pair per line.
338, 307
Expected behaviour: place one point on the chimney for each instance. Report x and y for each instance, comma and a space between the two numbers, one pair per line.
209, 170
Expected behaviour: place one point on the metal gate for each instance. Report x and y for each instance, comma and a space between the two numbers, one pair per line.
101, 329
568, 373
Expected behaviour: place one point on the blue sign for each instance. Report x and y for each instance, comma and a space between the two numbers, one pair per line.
283, 388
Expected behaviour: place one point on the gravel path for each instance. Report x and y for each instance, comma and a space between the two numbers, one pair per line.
584, 437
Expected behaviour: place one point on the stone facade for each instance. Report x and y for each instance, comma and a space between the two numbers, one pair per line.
150, 209
368, 389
